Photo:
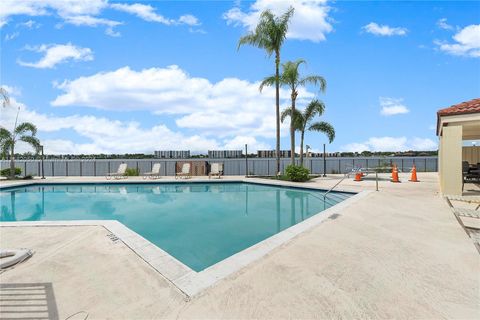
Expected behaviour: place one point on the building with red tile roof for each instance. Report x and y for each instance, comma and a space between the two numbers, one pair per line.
458, 129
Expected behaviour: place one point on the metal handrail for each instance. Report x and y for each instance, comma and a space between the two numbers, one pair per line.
336, 184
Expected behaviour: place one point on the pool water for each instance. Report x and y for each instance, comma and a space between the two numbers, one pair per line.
199, 224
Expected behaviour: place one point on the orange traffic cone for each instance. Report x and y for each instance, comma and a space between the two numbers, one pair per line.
358, 176
395, 175
413, 178
393, 169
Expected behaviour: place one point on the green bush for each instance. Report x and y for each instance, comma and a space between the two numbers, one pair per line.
131, 172
297, 173
6, 172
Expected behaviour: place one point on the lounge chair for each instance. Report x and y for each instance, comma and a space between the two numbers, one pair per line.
120, 172
11, 257
468, 213
185, 173
216, 169
155, 173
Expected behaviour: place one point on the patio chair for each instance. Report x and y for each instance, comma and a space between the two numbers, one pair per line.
155, 173
467, 176
185, 173
468, 213
120, 172
216, 169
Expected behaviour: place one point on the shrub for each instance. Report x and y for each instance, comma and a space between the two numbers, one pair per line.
28, 177
297, 173
131, 172
6, 172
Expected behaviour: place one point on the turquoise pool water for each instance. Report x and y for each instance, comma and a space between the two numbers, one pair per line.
200, 224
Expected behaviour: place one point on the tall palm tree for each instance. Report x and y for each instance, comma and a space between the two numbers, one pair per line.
291, 77
269, 34
5, 97
303, 121
23, 132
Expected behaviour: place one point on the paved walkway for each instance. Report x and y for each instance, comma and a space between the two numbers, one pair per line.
398, 253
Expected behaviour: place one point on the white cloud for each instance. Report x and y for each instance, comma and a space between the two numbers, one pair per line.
143, 11
30, 24
103, 135
392, 144
228, 107
58, 53
392, 106
467, 42
64, 9
147, 13
189, 19
238, 143
309, 22
84, 13
442, 24
11, 36
86, 20
384, 30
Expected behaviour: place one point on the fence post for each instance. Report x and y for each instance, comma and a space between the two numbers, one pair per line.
66, 168
81, 173
53, 169
95, 167
425, 164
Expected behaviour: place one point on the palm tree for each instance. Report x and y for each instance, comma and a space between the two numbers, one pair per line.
291, 77
303, 121
269, 34
5, 97
23, 132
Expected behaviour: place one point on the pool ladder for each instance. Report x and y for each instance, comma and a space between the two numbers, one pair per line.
336, 184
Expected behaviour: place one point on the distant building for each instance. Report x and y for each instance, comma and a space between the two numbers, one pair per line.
172, 154
271, 153
320, 154
225, 154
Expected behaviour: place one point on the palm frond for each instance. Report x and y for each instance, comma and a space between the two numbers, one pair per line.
286, 113
314, 108
324, 127
31, 140
290, 74
5, 97
267, 82
5, 134
297, 117
270, 32
315, 80
25, 127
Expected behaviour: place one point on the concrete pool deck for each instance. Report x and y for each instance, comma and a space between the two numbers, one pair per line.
397, 253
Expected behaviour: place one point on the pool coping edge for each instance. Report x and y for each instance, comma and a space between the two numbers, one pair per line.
186, 280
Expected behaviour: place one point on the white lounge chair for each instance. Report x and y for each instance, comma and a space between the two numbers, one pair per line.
155, 173
216, 169
185, 173
122, 168
11, 257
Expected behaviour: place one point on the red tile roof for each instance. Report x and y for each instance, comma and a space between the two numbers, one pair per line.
472, 106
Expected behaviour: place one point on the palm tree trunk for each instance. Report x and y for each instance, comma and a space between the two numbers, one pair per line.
277, 108
301, 147
12, 163
292, 130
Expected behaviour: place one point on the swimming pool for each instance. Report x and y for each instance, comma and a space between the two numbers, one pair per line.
199, 224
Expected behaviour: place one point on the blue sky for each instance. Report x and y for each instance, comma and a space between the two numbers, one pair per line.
136, 76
